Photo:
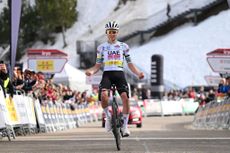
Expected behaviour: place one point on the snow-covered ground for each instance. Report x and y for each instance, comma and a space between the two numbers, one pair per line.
139, 15
184, 49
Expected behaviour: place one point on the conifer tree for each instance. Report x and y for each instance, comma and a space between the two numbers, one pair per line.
57, 15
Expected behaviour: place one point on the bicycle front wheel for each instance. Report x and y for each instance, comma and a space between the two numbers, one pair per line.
116, 128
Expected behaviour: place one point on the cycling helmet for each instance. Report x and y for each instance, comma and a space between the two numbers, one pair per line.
112, 25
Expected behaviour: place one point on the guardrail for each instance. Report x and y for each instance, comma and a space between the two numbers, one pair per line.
214, 115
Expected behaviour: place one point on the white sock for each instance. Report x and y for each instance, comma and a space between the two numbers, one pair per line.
126, 120
107, 113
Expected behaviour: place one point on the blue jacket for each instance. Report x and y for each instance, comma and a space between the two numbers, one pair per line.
224, 88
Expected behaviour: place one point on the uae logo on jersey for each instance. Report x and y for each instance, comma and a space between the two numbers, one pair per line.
114, 54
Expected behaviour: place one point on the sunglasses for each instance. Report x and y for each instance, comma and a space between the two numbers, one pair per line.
112, 32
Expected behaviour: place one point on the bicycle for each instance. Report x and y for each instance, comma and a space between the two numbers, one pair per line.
116, 119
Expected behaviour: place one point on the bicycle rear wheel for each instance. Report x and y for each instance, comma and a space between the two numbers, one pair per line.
116, 127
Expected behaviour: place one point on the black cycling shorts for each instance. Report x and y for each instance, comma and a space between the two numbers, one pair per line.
114, 77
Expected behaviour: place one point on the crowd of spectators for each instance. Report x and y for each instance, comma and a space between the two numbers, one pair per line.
34, 84
200, 95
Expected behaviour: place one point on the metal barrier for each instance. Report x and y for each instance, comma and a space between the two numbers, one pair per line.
214, 115
23, 115
39, 116
7, 116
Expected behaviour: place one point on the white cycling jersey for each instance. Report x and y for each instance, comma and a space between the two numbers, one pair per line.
112, 55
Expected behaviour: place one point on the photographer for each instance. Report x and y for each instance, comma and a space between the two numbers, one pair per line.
4, 76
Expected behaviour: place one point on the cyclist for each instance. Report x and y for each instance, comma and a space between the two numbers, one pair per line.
111, 55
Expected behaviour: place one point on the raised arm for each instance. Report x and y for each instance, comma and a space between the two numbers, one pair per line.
135, 70
93, 69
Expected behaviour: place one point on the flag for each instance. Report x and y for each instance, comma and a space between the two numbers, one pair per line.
15, 10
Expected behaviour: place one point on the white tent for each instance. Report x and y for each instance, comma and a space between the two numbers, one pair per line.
73, 77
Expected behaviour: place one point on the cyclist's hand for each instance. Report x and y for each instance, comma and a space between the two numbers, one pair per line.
141, 75
88, 73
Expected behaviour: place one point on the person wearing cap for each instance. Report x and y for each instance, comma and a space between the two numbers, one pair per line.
111, 55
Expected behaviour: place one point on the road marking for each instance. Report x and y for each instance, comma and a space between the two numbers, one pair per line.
136, 139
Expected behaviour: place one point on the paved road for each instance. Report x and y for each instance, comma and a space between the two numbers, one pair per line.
173, 134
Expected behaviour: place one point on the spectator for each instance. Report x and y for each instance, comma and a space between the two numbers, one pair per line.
77, 97
59, 92
144, 94
211, 96
191, 93
39, 86
84, 97
224, 87
168, 11
4, 76
170, 95
228, 86
165, 96
221, 84
201, 96
68, 94
176, 95
29, 80
17, 78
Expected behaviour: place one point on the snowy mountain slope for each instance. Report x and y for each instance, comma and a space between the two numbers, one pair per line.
141, 15
137, 9
184, 50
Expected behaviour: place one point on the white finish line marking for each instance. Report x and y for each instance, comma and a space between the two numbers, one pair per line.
137, 139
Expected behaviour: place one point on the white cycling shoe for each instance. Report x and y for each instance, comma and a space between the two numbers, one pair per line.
108, 126
125, 132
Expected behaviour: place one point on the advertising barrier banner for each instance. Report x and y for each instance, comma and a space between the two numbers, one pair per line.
12, 114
